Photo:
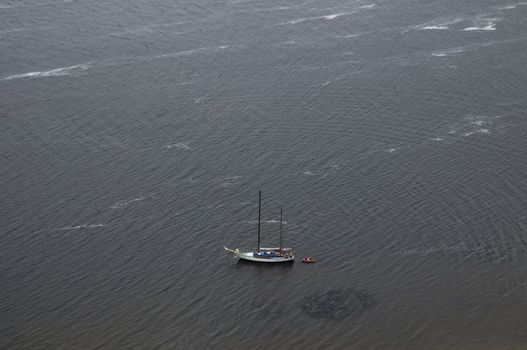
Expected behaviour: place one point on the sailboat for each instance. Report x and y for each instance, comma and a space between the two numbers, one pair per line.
262, 254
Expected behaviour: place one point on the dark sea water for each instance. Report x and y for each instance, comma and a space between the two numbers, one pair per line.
135, 136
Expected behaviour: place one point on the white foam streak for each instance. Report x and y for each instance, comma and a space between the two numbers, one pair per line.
270, 9
326, 17
179, 145
447, 53
336, 15
435, 28
85, 226
438, 24
472, 125
483, 24
57, 72
182, 53
234, 177
512, 6
349, 36
489, 27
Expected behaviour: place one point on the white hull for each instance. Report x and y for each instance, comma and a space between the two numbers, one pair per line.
250, 256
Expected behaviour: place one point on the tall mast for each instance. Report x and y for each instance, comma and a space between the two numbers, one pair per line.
280, 227
259, 215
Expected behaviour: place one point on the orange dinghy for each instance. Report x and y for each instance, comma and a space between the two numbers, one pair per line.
308, 259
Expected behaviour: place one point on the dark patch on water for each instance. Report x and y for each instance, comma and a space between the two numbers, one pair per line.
337, 304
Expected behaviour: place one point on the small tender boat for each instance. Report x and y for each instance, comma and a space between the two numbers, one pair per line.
268, 255
308, 259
